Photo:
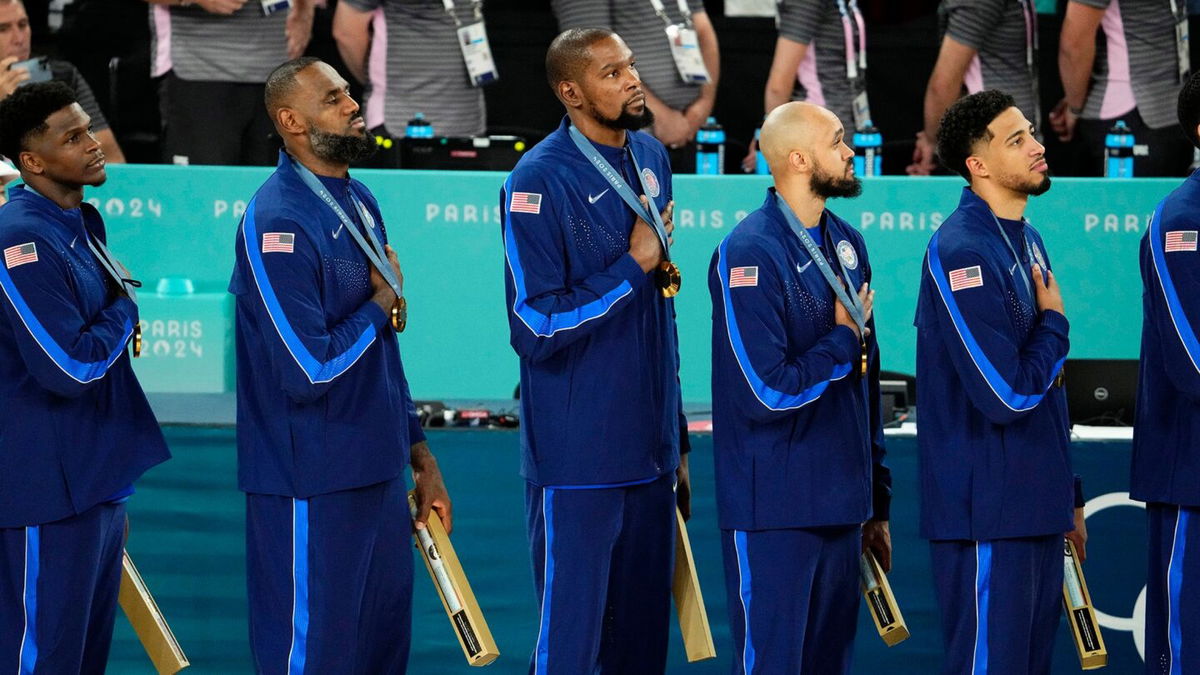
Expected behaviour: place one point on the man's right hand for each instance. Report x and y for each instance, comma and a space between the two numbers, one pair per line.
1048, 294
383, 296
11, 78
841, 315
221, 6
644, 245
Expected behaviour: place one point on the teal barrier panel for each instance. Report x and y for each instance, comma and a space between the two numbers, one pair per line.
180, 221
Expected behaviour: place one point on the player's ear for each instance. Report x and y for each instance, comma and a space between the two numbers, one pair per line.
570, 94
976, 166
30, 163
289, 122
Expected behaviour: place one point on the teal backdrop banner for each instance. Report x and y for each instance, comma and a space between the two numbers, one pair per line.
170, 222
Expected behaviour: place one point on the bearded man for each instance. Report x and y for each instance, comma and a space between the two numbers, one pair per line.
326, 424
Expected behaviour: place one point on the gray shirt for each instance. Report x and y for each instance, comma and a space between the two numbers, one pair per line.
415, 65
1136, 62
823, 77
644, 32
242, 47
1004, 35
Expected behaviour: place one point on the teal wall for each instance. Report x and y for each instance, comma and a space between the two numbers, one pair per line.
180, 221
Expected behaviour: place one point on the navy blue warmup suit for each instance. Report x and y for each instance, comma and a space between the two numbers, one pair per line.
797, 439
601, 416
325, 424
1166, 435
75, 433
997, 491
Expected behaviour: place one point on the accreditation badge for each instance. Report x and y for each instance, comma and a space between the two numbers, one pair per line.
685, 49
477, 54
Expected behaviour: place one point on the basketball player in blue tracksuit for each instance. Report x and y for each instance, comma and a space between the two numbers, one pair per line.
601, 417
75, 428
796, 422
325, 420
996, 484
1166, 434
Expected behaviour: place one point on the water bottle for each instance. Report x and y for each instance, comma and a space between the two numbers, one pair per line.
710, 148
868, 161
1118, 146
760, 162
419, 127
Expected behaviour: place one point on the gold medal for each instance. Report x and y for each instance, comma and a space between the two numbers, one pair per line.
137, 340
863, 368
668, 279
1058, 379
399, 314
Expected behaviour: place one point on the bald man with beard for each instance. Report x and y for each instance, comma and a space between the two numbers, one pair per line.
801, 482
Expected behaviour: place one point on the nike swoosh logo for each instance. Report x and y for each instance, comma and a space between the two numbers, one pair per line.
593, 200
800, 268
339, 230
1012, 270
73, 242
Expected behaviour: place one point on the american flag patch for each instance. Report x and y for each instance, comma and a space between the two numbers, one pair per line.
20, 254
526, 202
743, 276
1181, 241
278, 242
967, 277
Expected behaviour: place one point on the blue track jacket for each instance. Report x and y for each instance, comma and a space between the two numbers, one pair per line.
993, 427
75, 427
796, 430
599, 355
1166, 435
323, 404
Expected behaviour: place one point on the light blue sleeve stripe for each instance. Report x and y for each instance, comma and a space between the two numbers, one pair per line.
80, 371
983, 585
771, 398
317, 371
298, 652
29, 648
744, 593
542, 649
1175, 589
546, 325
997, 383
1182, 328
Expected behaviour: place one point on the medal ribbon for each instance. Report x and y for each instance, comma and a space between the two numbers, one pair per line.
654, 218
849, 300
374, 251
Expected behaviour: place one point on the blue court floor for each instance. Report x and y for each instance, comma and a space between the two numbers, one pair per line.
188, 527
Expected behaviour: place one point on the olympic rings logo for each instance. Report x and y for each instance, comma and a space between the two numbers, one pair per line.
1135, 624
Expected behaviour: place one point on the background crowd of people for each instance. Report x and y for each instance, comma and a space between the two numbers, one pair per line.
180, 80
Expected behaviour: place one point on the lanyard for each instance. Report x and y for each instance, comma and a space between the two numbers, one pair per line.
622, 188
375, 252
1029, 13
477, 5
856, 54
662, 11
849, 300
107, 261
1017, 258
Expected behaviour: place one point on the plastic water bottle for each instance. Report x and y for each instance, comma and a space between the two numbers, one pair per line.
419, 127
1118, 146
760, 162
868, 161
710, 148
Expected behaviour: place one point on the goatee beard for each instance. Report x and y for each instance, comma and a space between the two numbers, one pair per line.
828, 186
1037, 190
626, 121
340, 148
